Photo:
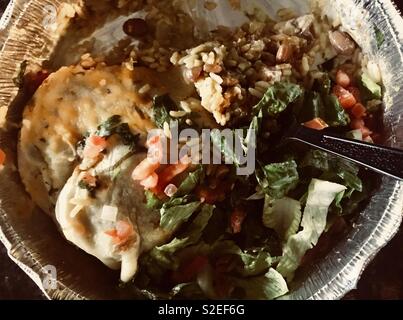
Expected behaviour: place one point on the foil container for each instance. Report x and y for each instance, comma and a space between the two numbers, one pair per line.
64, 272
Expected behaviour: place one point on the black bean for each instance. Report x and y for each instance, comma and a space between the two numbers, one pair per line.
136, 28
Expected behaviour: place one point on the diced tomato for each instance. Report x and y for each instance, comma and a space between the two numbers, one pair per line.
150, 182
122, 233
237, 218
189, 270
347, 101
357, 124
360, 124
358, 111
124, 229
112, 233
343, 79
90, 180
97, 141
346, 98
170, 172
355, 92
317, 124
94, 146
338, 90
144, 169
2, 157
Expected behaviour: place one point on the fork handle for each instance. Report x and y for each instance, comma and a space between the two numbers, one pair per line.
385, 160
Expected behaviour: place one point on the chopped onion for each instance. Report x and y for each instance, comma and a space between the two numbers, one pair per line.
76, 210
170, 190
109, 213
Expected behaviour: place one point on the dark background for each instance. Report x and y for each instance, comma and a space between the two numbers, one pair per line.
382, 279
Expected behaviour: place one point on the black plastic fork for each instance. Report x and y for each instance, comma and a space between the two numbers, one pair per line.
384, 160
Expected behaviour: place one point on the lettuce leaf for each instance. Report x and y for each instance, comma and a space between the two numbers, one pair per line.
277, 179
251, 263
267, 287
172, 216
152, 201
312, 108
355, 134
373, 89
321, 194
165, 254
191, 182
226, 148
277, 98
114, 125
321, 103
334, 169
335, 115
316, 159
162, 105
348, 172
282, 215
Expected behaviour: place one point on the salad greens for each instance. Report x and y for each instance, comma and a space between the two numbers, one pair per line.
114, 125
321, 194
277, 179
174, 213
277, 98
283, 209
161, 107
321, 103
267, 287
165, 255
373, 90
282, 215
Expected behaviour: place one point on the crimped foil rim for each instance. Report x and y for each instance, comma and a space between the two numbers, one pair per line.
335, 288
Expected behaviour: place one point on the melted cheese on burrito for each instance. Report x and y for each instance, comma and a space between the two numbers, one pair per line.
70, 103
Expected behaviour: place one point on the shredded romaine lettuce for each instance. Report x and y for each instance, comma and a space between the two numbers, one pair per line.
252, 263
374, 89
172, 217
277, 98
321, 194
282, 215
165, 254
267, 287
321, 103
191, 182
277, 179
152, 201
